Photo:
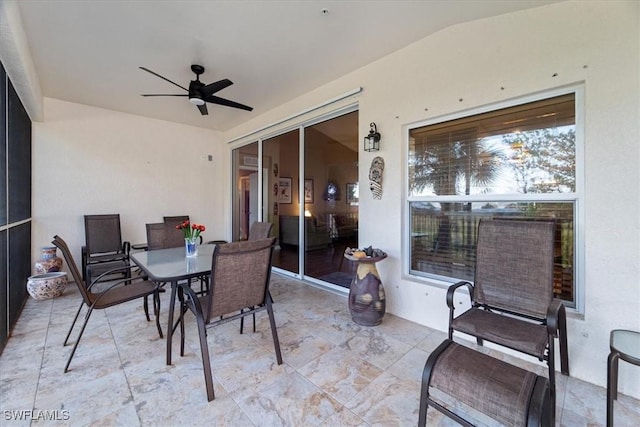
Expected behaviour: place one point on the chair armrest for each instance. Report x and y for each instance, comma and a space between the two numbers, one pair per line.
556, 316
111, 271
111, 287
193, 299
452, 289
126, 247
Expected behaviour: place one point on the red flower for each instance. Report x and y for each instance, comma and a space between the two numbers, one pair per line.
190, 231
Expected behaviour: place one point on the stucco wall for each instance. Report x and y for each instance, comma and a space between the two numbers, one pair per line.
487, 61
88, 160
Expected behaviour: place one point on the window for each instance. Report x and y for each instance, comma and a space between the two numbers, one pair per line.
515, 162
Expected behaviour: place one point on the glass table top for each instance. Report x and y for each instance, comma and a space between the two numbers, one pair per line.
626, 343
171, 264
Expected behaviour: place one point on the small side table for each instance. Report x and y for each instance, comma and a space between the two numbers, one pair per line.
624, 345
366, 294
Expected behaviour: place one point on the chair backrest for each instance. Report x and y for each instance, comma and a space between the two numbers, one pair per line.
102, 234
173, 237
176, 220
73, 268
156, 236
260, 230
163, 235
514, 265
176, 239
240, 273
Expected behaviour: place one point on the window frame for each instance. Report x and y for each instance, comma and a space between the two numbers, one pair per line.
576, 197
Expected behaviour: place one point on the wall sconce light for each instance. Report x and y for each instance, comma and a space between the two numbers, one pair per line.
372, 141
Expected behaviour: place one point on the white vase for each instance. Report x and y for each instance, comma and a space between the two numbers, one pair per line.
48, 285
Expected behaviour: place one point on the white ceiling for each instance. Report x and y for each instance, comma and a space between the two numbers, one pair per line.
89, 52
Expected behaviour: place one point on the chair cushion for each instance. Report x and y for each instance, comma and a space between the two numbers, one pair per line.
527, 337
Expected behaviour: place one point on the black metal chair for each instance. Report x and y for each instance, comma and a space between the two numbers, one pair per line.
104, 249
112, 294
240, 275
512, 301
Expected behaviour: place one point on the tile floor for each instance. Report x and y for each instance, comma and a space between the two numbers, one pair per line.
335, 373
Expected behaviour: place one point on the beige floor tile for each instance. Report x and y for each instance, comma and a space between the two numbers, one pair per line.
335, 372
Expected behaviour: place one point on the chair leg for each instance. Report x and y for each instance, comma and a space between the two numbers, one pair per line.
75, 346
145, 305
564, 348
242, 322
274, 332
183, 309
73, 324
156, 311
206, 362
552, 380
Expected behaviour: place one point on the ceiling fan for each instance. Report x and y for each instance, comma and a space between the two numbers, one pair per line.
199, 93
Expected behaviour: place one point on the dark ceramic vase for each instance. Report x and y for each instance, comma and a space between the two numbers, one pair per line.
367, 302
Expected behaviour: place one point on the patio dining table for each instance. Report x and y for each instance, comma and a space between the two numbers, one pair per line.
172, 266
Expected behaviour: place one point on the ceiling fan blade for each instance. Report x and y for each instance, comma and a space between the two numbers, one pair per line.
212, 88
203, 109
227, 103
159, 94
163, 78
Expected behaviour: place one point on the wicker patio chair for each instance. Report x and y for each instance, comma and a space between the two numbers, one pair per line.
240, 277
104, 249
512, 300
108, 295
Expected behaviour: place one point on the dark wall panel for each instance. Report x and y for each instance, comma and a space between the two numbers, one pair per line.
15, 206
19, 268
3, 146
19, 158
4, 296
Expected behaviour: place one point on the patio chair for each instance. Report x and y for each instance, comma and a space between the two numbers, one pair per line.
163, 235
108, 295
512, 300
257, 231
260, 230
104, 249
176, 239
240, 274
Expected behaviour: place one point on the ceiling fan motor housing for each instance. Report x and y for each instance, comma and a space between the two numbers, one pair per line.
195, 97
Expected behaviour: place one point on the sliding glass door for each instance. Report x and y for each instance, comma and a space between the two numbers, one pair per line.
331, 210
284, 150
308, 190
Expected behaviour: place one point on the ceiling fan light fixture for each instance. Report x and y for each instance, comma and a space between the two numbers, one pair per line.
196, 100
